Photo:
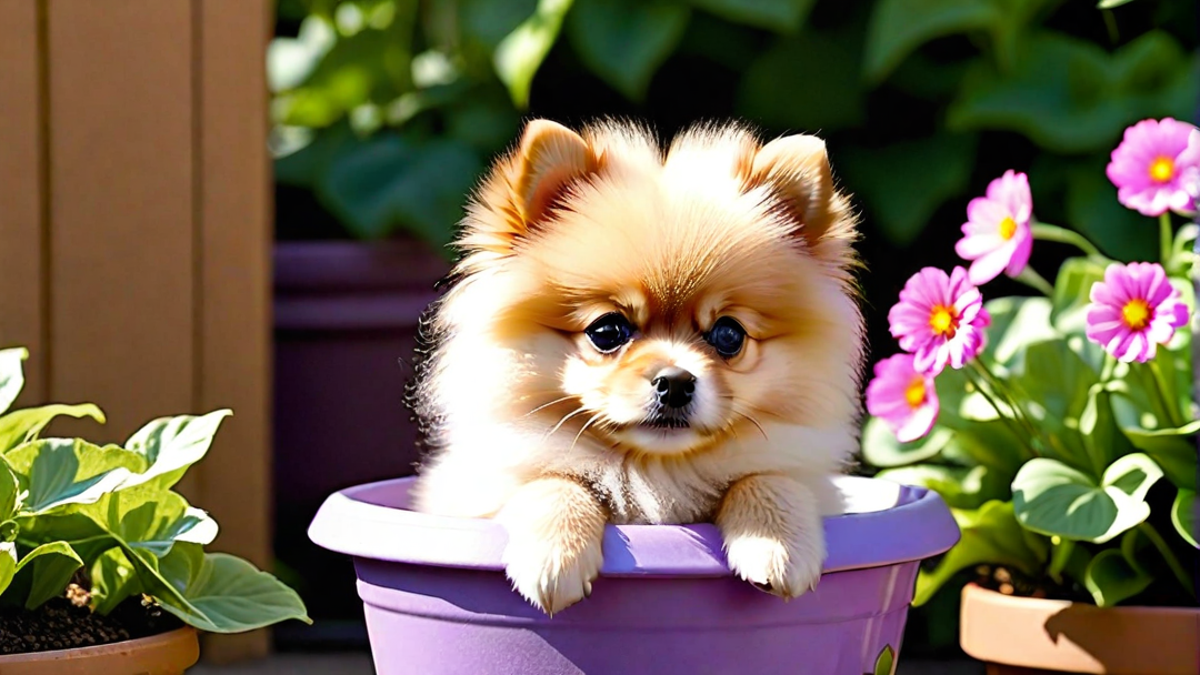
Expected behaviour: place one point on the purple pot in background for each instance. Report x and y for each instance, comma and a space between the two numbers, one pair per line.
437, 601
345, 320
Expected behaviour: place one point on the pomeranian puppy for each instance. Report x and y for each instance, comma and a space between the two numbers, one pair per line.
640, 336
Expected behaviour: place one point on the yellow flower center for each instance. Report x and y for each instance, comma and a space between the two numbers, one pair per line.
915, 393
1008, 227
944, 321
1162, 169
1136, 314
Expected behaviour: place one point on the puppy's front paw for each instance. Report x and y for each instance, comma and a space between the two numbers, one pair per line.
772, 566
549, 574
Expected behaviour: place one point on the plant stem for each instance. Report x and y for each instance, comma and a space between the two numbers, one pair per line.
1164, 237
1181, 574
1019, 426
1031, 278
1062, 235
1108, 369
1002, 391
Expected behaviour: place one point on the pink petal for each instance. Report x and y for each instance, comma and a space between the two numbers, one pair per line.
989, 266
1020, 255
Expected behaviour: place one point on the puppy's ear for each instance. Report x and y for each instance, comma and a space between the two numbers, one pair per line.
548, 160
797, 168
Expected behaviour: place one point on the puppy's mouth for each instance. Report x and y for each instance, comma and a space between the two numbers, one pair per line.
662, 422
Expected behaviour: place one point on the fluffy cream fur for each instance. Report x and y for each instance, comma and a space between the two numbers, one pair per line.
530, 424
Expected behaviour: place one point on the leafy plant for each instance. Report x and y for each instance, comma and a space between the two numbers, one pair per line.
67, 505
1045, 422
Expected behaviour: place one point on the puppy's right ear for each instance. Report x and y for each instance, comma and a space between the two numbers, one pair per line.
548, 160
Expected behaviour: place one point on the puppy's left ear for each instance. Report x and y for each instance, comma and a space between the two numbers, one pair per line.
548, 160
797, 167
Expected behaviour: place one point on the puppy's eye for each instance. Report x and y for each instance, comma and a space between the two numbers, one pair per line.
609, 332
726, 336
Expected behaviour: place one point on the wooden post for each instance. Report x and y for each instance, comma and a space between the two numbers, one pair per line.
135, 231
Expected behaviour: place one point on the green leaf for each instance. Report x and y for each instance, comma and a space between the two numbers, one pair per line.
625, 41
1183, 516
10, 491
885, 663
53, 566
1054, 499
521, 53
1072, 291
12, 375
990, 534
1092, 209
806, 81
960, 487
1110, 578
23, 426
113, 580
1017, 323
898, 27
1110, 4
390, 181
1068, 95
1053, 382
229, 595
906, 182
1173, 449
61, 471
776, 15
1102, 438
880, 447
8, 564
171, 444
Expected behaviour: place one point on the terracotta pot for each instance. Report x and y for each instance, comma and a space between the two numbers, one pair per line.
167, 654
1025, 636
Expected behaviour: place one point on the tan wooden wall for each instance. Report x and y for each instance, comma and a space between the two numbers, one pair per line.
135, 231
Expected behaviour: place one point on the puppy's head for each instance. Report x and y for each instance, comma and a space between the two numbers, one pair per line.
663, 302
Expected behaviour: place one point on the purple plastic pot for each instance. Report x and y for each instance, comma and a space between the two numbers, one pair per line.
437, 601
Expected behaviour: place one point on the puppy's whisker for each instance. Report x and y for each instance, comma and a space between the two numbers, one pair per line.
563, 421
755, 423
547, 405
583, 429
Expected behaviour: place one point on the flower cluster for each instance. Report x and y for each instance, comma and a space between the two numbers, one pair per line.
940, 319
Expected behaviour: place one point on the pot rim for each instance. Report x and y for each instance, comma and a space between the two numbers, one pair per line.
998, 598
149, 642
370, 521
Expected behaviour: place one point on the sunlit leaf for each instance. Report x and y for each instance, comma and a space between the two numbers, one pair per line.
24, 425
12, 375
520, 54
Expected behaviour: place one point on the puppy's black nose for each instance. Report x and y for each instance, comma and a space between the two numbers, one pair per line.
674, 387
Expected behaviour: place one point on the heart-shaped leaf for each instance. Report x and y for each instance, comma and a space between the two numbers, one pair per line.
1110, 578
23, 426
1054, 499
990, 534
171, 444
12, 375
1174, 449
1053, 383
1016, 324
521, 53
224, 594
113, 580
61, 471
1102, 438
1183, 516
625, 41
880, 447
10, 492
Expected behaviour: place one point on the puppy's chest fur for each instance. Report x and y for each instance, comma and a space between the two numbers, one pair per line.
648, 490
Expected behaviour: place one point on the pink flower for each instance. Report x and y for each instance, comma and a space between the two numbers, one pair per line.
903, 398
939, 319
996, 235
1157, 167
1134, 310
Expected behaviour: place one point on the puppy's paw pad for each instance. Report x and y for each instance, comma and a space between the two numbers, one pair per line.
551, 577
770, 566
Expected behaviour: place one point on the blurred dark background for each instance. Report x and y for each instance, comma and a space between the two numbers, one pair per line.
385, 113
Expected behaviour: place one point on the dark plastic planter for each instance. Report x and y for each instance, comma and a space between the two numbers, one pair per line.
437, 600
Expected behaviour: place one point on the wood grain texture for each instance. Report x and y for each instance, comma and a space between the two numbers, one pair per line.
120, 156
235, 285
22, 195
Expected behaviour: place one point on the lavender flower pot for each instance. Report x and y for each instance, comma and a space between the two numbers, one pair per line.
437, 601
